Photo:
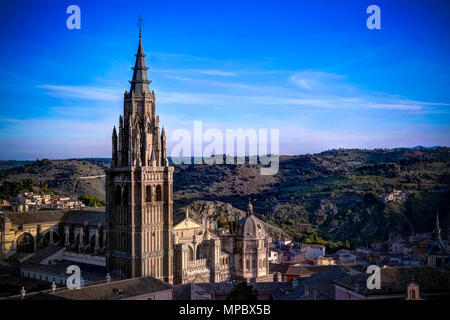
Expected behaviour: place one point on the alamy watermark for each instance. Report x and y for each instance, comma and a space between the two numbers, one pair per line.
374, 280
374, 20
74, 20
74, 281
237, 146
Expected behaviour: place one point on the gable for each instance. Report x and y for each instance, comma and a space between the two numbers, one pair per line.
187, 223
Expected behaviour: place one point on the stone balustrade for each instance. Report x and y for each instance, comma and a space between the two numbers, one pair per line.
197, 264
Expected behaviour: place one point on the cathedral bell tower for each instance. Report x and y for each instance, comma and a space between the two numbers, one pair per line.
139, 186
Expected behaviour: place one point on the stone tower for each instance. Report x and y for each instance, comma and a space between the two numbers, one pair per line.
139, 186
251, 251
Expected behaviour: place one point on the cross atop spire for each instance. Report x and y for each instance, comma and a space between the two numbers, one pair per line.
140, 24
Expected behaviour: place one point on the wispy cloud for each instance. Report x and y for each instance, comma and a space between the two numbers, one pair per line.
82, 92
210, 72
317, 81
244, 99
238, 101
219, 73
311, 89
388, 106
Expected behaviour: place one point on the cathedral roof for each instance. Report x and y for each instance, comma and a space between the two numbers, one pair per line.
250, 226
395, 280
140, 82
187, 223
34, 217
114, 290
438, 247
92, 216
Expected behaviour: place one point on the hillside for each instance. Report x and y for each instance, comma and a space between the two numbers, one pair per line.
222, 212
65, 177
334, 193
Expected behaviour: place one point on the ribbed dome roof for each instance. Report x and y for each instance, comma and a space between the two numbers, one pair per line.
250, 226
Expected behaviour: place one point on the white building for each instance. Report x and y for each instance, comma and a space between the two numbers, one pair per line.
313, 251
274, 256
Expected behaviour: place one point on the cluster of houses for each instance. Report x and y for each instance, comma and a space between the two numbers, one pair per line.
414, 250
29, 201
290, 252
298, 271
394, 195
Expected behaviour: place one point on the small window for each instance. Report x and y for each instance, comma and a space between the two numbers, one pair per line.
158, 193
148, 194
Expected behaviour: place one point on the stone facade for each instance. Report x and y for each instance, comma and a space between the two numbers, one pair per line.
29, 234
79, 231
139, 187
135, 237
198, 254
203, 256
251, 252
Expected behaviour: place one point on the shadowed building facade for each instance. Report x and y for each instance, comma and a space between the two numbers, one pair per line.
139, 186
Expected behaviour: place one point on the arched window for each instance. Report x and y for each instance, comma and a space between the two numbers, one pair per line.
148, 194
158, 193
190, 253
92, 244
25, 243
71, 234
86, 234
199, 251
117, 195
47, 237
247, 264
125, 196
100, 236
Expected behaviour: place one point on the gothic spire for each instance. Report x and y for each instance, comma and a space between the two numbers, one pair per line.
114, 147
140, 82
437, 230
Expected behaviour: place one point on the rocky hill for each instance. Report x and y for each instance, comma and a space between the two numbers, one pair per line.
223, 213
72, 177
337, 194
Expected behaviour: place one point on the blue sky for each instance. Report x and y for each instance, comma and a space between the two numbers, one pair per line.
309, 68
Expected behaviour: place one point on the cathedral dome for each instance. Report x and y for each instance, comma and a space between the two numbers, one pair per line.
250, 226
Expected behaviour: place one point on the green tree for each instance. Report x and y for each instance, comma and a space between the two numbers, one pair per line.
91, 201
28, 184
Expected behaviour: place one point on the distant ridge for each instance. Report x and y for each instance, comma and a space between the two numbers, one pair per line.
4, 164
418, 148
335, 193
